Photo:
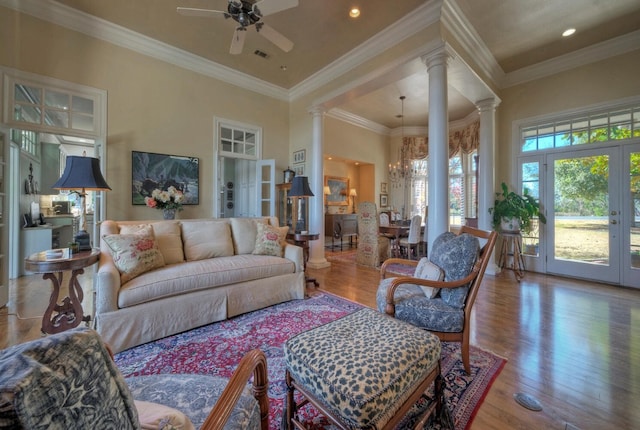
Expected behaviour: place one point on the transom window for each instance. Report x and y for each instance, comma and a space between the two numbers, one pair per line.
610, 125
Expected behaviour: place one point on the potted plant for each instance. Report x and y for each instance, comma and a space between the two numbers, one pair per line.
514, 212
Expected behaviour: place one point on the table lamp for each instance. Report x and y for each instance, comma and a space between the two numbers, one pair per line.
326, 191
300, 189
353, 195
82, 173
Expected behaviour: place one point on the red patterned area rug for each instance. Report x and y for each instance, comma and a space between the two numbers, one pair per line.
217, 348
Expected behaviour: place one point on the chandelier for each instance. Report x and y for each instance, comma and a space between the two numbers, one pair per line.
404, 171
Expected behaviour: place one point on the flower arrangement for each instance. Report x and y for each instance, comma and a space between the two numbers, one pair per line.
172, 198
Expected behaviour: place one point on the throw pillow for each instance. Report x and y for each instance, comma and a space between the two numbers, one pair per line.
167, 236
455, 255
154, 416
429, 271
270, 240
206, 239
133, 254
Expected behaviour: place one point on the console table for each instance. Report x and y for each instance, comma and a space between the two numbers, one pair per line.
340, 225
69, 314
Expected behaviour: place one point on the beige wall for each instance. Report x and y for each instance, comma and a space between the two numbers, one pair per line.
152, 106
594, 84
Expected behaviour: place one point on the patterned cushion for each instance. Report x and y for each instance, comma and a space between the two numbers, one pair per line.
134, 254
364, 366
456, 255
413, 307
243, 232
270, 240
167, 236
429, 271
195, 395
154, 416
63, 381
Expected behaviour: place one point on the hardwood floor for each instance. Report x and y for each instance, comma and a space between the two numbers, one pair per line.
573, 345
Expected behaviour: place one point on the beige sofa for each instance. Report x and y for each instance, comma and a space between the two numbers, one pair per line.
209, 274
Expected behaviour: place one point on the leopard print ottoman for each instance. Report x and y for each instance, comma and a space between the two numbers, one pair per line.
364, 371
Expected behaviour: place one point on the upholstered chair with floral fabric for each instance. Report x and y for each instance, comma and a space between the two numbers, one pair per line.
69, 380
441, 293
373, 248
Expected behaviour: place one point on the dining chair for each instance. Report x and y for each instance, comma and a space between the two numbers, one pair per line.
410, 245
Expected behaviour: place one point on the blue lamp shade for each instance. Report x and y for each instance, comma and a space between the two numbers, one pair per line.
300, 187
82, 173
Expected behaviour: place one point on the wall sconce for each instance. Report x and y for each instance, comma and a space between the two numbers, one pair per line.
326, 191
353, 195
82, 173
299, 190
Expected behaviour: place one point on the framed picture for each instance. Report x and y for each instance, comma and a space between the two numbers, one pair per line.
383, 188
384, 200
300, 156
150, 171
339, 190
299, 169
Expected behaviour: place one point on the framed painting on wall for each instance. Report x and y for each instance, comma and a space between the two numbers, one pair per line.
150, 171
383, 188
384, 200
299, 169
339, 190
300, 156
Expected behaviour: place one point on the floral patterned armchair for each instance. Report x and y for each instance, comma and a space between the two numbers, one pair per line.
69, 380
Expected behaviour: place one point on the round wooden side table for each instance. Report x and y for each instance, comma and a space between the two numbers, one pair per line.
69, 314
302, 240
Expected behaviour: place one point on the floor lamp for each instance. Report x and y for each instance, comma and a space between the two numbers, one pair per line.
82, 173
300, 189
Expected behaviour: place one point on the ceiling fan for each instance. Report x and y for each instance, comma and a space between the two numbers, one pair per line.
247, 14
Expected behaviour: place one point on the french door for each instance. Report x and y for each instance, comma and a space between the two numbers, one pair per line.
592, 202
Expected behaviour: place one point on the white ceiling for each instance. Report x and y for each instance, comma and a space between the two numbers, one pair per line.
517, 33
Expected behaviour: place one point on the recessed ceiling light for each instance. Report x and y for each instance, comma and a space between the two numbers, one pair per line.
354, 12
568, 32
283, 68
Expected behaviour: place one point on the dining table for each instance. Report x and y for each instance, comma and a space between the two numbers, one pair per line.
394, 232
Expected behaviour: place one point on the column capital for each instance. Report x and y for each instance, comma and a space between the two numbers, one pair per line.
317, 110
439, 56
489, 104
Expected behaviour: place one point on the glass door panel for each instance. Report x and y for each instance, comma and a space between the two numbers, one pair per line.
631, 228
584, 223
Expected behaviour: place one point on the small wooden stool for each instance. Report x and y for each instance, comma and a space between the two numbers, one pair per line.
363, 371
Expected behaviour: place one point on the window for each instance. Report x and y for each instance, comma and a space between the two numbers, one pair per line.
463, 188
611, 125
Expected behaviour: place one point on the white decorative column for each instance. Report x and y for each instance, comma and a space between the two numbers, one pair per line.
486, 167
316, 182
438, 162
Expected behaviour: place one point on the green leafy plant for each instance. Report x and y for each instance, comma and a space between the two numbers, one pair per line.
510, 205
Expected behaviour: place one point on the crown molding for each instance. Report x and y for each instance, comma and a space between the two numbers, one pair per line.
457, 23
420, 18
73, 19
358, 121
591, 54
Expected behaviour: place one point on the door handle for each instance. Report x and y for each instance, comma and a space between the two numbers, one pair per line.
613, 221
614, 213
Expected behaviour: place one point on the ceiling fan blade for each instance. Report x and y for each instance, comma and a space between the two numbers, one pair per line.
190, 11
268, 7
274, 37
237, 42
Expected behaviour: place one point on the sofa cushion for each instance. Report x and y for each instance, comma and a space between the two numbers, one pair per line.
206, 239
133, 254
270, 240
199, 275
167, 235
456, 255
243, 232
429, 271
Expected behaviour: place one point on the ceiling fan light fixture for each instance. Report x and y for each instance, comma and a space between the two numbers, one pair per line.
354, 12
568, 32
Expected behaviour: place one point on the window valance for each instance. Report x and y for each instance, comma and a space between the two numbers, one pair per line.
465, 140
